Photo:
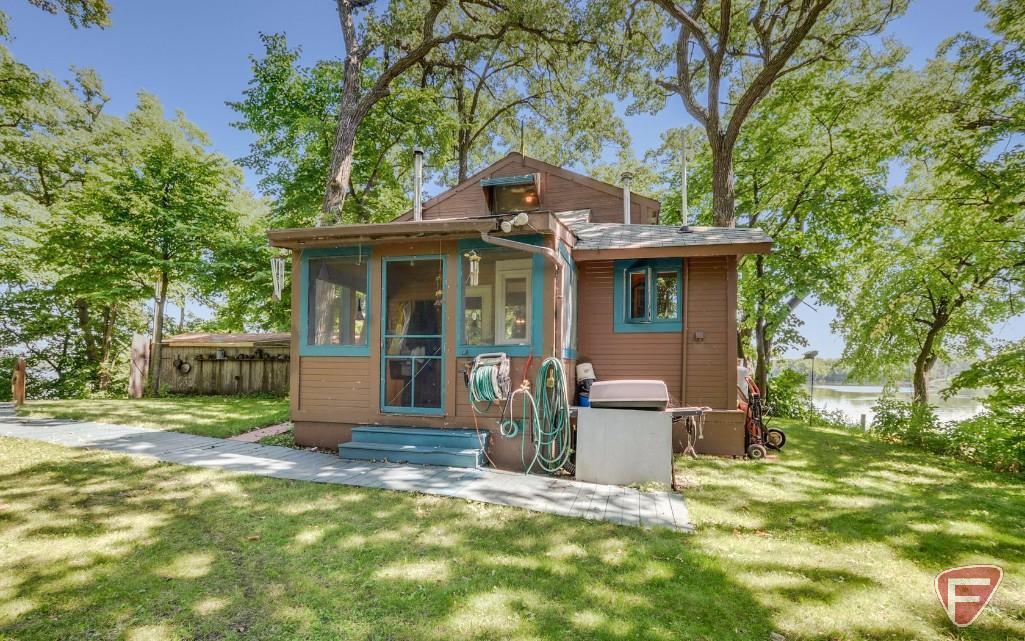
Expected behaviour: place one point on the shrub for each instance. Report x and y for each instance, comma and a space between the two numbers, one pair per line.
995, 439
788, 398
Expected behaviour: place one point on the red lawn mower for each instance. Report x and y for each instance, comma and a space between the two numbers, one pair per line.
758, 439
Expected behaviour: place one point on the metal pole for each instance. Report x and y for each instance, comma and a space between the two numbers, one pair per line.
812, 379
684, 213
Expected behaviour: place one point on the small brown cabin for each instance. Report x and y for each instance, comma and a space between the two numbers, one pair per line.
386, 317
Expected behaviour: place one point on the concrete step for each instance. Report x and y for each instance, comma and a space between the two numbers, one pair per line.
427, 436
7, 409
416, 454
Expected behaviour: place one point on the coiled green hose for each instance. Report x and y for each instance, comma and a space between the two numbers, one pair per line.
549, 418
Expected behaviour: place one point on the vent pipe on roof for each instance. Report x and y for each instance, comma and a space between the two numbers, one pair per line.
626, 197
418, 184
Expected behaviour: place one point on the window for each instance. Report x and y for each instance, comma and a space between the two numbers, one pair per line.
506, 194
337, 305
648, 295
513, 294
497, 307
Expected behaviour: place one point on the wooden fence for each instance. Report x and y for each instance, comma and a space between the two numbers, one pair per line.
224, 370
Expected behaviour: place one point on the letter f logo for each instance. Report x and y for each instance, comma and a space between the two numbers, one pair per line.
965, 591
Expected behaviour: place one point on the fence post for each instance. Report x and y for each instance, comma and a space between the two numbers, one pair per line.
864, 423
18, 383
138, 357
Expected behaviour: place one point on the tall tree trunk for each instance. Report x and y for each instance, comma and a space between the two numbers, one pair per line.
927, 355
724, 196
350, 115
464, 157
85, 325
109, 318
763, 345
158, 335
341, 171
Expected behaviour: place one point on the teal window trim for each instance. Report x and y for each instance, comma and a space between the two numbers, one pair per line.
400, 409
305, 349
537, 275
569, 352
622, 323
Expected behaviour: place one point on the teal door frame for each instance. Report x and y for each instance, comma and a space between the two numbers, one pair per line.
385, 335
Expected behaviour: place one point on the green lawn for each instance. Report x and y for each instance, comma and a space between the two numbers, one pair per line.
219, 416
837, 540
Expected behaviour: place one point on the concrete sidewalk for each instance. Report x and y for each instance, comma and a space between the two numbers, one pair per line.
539, 493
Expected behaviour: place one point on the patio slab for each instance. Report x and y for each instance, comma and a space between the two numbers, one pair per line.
623, 505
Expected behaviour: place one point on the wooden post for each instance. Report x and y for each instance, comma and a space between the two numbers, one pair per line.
864, 423
138, 360
18, 383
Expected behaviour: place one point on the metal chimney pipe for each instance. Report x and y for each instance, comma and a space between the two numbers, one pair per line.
626, 197
418, 184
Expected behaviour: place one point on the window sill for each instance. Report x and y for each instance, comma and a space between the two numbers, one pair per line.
665, 327
518, 349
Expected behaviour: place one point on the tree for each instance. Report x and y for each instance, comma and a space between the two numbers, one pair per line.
956, 262
399, 40
80, 13
812, 168
292, 111
727, 56
153, 214
542, 89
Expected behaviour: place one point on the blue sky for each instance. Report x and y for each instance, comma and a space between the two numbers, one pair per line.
194, 56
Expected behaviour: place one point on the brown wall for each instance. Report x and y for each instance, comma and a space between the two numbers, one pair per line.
655, 355
696, 371
331, 394
560, 191
710, 363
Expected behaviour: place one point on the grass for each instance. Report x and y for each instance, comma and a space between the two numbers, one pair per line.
284, 439
218, 416
839, 539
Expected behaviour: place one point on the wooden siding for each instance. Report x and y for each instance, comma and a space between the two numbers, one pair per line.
709, 369
209, 375
655, 355
560, 191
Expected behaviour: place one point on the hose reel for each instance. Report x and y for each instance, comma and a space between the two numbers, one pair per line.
544, 420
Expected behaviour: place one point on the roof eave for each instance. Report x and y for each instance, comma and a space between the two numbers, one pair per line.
377, 233
713, 249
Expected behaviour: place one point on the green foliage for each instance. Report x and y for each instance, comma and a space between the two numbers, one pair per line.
80, 13
1003, 374
790, 396
951, 265
292, 110
993, 439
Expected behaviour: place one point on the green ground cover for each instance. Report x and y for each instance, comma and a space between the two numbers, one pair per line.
838, 539
218, 416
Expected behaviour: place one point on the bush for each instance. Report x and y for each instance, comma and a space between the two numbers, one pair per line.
788, 398
994, 439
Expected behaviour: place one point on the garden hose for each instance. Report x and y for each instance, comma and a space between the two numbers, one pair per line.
548, 414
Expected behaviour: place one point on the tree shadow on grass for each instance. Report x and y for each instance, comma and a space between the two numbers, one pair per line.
851, 531
99, 546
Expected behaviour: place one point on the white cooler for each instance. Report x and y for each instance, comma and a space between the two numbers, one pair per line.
624, 446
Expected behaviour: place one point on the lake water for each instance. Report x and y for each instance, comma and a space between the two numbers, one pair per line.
855, 400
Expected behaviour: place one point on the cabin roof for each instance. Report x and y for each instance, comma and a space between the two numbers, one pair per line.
515, 159
594, 236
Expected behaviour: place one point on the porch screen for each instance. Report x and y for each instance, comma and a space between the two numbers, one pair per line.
497, 307
337, 301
